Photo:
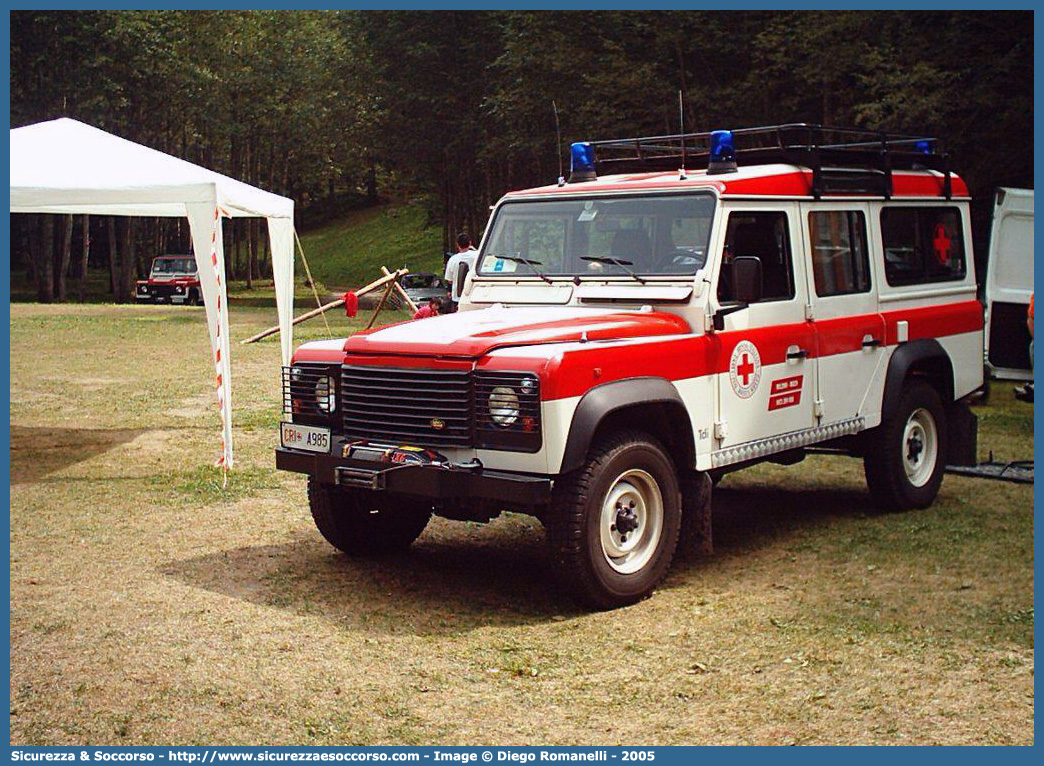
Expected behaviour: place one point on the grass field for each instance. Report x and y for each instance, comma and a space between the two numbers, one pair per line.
151, 606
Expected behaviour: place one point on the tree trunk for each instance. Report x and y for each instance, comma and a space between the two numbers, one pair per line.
64, 258
85, 254
113, 258
255, 234
128, 262
266, 256
371, 185
141, 267
44, 269
28, 224
226, 233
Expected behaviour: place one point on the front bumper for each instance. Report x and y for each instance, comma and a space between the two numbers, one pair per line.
437, 482
160, 294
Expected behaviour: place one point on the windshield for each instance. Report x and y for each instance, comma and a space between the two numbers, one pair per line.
607, 236
182, 265
419, 281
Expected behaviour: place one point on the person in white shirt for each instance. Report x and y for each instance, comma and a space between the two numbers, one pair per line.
465, 256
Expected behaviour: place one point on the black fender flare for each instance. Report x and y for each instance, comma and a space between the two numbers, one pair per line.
908, 356
607, 398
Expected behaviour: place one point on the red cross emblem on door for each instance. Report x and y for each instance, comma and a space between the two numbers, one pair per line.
942, 244
745, 369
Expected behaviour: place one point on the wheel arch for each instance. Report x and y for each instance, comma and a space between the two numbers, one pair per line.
924, 358
649, 404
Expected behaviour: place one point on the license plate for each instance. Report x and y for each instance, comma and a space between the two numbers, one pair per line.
311, 438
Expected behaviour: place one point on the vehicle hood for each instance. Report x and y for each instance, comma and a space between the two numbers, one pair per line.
426, 293
164, 278
474, 333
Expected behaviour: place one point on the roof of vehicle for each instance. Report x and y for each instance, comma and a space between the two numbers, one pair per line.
770, 180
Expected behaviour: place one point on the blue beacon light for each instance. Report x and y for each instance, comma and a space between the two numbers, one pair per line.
722, 153
581, 162
926, 146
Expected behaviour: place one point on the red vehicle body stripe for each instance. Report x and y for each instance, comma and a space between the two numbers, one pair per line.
711, 354
679, 357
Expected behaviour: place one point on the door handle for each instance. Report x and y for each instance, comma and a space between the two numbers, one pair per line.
871, 342
800, 353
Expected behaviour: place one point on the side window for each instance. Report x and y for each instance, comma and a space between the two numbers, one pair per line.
764, 235
840, 263
922, 244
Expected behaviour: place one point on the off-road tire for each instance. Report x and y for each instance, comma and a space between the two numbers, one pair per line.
696, 538
883, 462
574, 519
361, 523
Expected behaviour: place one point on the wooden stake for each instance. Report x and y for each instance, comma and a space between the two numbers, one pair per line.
380, 305
402, 293
389, 277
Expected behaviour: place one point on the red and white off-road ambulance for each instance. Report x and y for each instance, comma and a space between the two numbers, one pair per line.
173, 279
633, 332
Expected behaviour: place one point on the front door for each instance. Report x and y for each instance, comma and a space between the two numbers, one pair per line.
843, 297
767, 352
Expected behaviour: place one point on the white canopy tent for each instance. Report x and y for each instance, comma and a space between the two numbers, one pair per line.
66, 166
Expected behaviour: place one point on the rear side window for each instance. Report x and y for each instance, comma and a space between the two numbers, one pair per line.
922, 244
840, 263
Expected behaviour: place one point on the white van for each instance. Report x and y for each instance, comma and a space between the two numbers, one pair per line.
1009, 285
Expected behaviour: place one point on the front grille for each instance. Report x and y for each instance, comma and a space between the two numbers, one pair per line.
407, 406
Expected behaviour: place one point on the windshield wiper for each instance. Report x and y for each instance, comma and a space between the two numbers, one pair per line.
625, 265
528, 262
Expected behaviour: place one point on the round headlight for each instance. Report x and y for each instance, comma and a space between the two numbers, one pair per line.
503, 406
325, 395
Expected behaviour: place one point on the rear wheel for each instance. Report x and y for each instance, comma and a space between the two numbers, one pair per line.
906, 457
614, 523
362, 523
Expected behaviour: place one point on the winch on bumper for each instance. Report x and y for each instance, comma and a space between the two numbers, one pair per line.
415, 471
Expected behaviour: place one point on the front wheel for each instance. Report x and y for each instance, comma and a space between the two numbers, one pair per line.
362, 523
614, 523
906, 457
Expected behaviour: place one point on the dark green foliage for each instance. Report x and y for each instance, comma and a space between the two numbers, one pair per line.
456, 106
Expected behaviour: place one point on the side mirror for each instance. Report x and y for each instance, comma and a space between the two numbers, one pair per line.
746, 276
462, 275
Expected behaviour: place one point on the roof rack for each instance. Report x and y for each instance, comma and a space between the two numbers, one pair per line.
842, 160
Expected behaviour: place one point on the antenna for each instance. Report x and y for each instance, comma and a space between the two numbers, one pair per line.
681, 117
558, 145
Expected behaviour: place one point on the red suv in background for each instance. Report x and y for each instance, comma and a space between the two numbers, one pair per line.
173, 279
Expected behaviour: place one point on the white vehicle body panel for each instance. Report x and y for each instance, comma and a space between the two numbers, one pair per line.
1009, 275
